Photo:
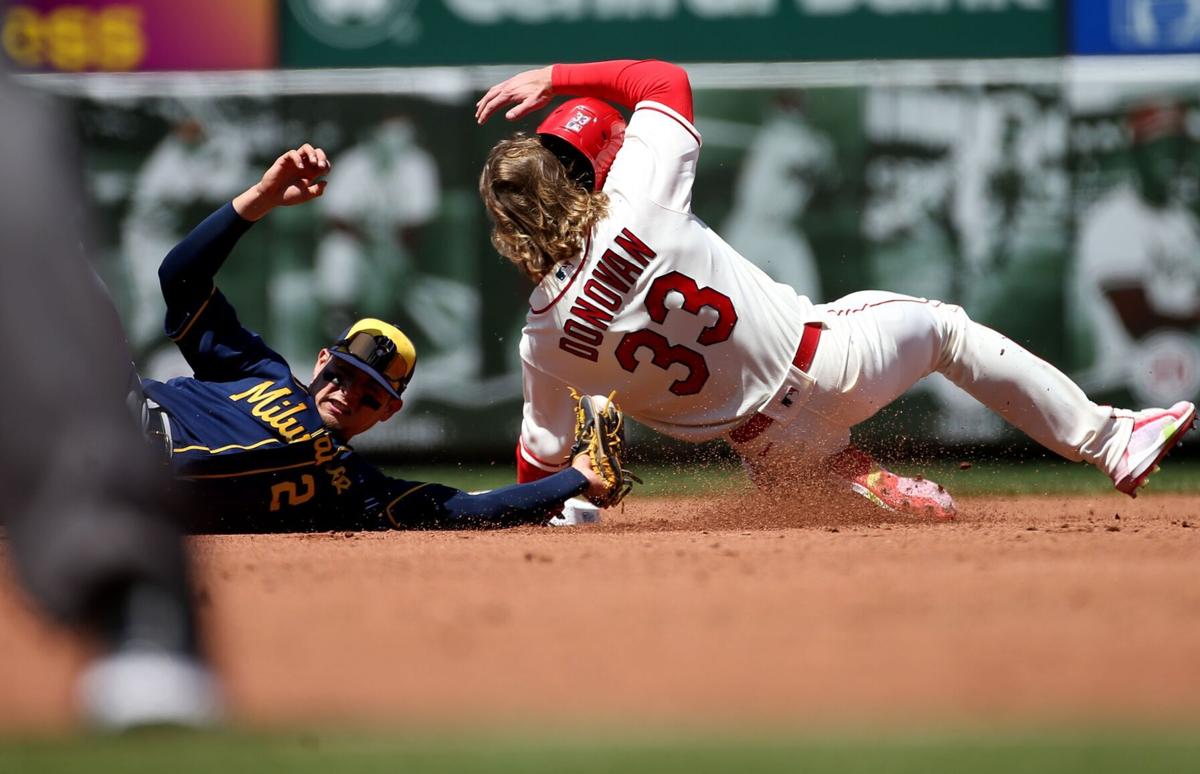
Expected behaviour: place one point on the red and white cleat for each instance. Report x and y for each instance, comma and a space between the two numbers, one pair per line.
1155, 433
914, 496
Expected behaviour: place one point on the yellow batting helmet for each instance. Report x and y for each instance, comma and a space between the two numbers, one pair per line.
382, 350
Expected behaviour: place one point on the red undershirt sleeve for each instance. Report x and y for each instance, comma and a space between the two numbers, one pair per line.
526, 470
627, 82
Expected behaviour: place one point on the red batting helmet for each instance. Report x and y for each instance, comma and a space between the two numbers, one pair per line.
585, 127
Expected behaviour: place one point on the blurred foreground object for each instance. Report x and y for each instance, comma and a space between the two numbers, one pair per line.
92, 536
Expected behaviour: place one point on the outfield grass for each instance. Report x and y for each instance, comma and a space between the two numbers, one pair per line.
1001, 477
1097, 752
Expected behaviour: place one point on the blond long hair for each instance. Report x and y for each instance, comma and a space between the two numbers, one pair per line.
540, 217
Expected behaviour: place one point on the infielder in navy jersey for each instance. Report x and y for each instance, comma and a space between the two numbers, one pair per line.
257, 449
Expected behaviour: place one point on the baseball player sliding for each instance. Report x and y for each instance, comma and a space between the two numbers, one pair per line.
257, 449
635, 294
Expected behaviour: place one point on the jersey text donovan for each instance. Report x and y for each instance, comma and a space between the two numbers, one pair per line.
605, 291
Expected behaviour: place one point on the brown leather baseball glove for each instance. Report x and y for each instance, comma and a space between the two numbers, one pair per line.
600, 433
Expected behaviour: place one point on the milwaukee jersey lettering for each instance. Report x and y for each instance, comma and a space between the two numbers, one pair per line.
250, 450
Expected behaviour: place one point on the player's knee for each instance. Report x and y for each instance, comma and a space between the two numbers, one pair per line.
951, 315
951, 324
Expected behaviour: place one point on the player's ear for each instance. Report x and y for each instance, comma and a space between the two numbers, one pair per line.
323, 358
393, 405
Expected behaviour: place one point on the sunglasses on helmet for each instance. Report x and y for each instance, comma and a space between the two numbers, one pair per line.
345, 377
375, 353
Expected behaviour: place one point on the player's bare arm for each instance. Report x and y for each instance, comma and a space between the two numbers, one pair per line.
294, 178
529, 90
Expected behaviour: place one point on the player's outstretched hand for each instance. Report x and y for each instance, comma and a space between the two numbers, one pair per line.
528, 90
294, 178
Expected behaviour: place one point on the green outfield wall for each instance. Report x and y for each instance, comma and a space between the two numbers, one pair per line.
458, 32
1061, 210
940, 148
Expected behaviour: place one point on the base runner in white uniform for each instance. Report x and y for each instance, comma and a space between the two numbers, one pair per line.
637, 295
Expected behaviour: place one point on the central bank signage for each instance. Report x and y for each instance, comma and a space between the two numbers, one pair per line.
495, 11
362, 33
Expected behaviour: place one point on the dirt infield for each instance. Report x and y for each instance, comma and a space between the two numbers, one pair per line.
1027, 608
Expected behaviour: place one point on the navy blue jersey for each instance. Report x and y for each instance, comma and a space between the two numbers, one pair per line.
249, 447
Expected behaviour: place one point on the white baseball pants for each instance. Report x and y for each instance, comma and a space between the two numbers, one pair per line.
877, 345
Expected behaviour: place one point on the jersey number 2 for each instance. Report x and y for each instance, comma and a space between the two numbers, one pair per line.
287, 493
667, 354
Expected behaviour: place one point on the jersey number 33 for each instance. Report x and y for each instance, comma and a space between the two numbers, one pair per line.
666, 354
